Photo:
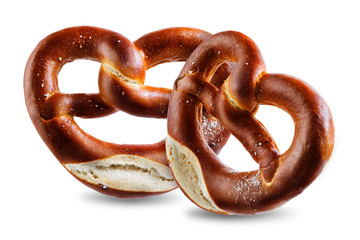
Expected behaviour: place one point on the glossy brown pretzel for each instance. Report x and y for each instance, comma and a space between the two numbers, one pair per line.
119, 170
280, 177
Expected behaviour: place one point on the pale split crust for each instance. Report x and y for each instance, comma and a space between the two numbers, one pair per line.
189, 176
125, 172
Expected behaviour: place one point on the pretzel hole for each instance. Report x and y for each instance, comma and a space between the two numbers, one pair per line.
123, 128
279, 124
236, 157
163, 75
80, 76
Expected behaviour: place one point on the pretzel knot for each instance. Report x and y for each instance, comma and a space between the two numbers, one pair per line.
119, 170
280, 177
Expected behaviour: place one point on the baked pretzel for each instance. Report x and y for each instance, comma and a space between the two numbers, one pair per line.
118, 170
280, 177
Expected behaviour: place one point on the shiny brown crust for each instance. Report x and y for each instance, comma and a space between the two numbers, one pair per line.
121, 79
280, 177
168, 45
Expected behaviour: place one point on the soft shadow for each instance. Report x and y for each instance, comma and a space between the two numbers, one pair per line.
99, 198
201, 214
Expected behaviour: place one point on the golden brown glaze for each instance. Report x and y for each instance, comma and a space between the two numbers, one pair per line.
121, 79
280, 177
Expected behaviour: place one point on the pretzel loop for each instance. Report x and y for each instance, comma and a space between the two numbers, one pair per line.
168, 45
230, 47
280, 177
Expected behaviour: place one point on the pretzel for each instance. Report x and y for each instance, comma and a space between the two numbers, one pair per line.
119, 170
196, 168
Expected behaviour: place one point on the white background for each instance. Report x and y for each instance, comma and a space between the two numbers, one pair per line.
317, 41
